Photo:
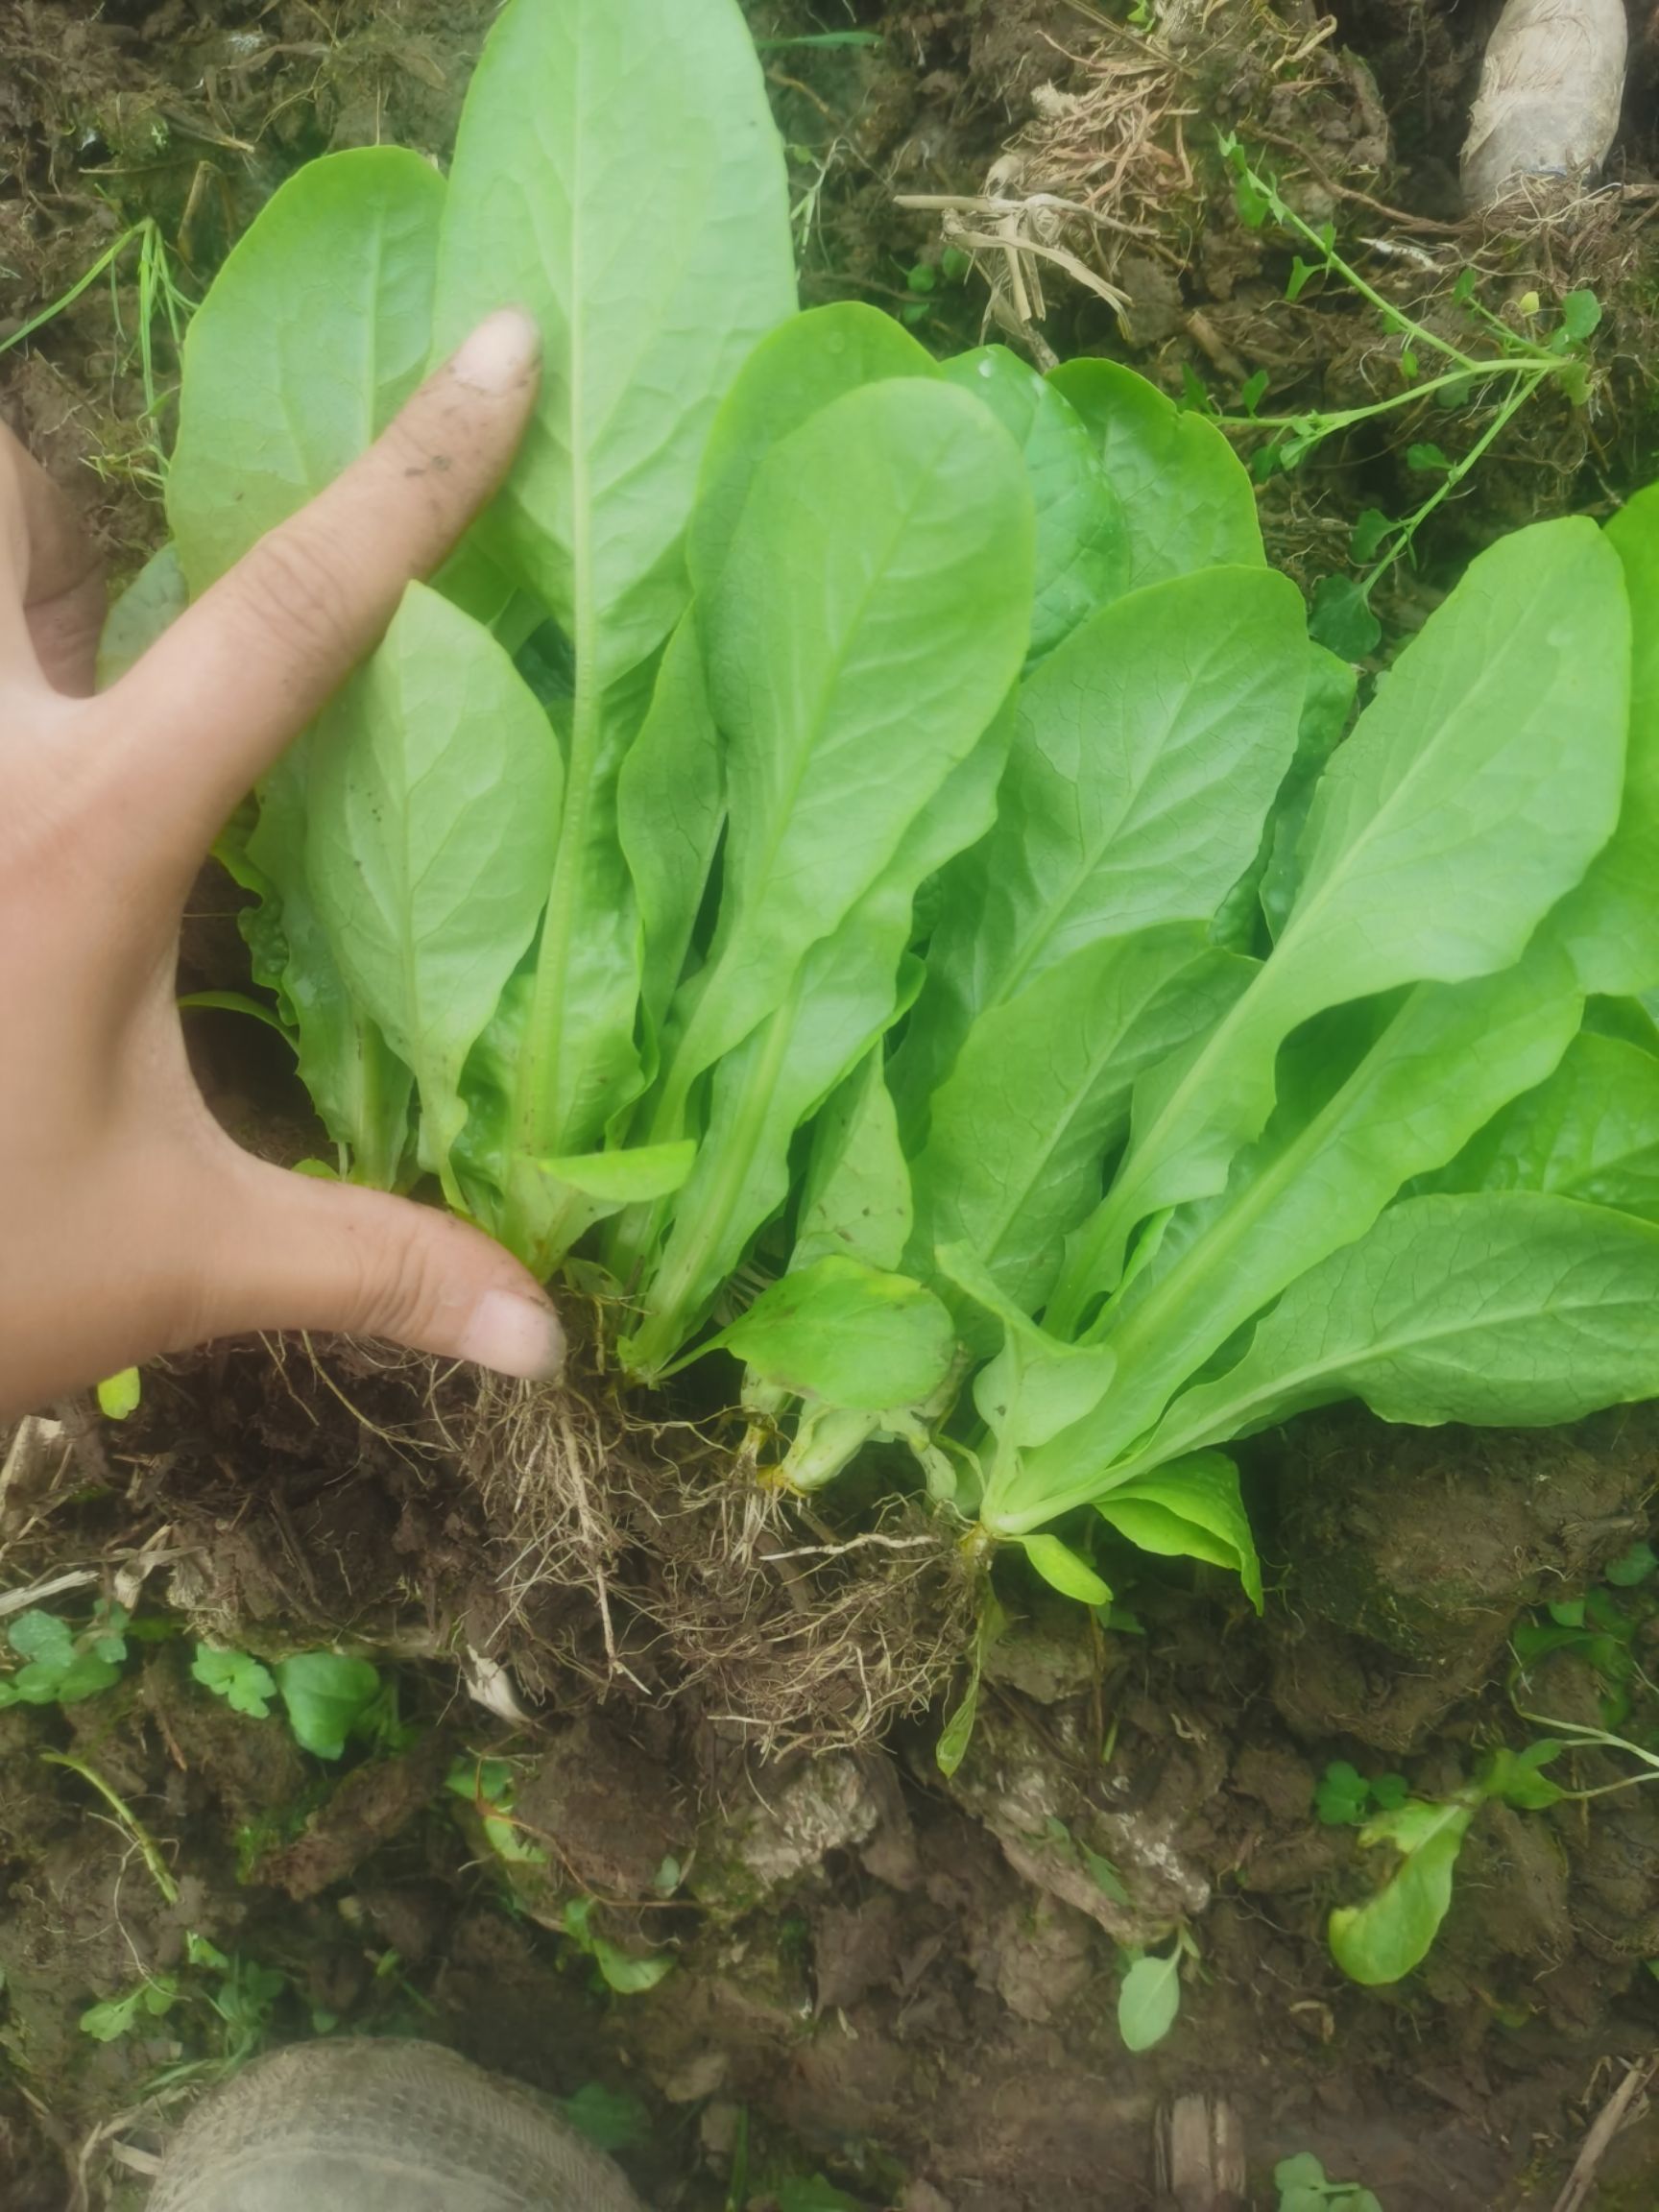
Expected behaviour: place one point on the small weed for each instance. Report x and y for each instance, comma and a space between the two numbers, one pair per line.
1346, 1799
245, 1684
1150, 1998
1504, 375
162, 307
1302, 2187
62, 1665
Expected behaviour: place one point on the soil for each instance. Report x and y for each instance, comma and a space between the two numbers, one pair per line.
719, 1716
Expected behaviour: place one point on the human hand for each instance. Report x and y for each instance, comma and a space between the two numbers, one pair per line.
130, 1224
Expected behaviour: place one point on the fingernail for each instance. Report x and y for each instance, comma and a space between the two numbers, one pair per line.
515, 1335
500, 354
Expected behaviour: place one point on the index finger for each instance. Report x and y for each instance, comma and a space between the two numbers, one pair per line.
222, 692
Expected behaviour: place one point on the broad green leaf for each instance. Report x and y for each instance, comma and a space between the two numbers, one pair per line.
1611, 922
1369, 1098
602, 138
848, 1334
1382, 1941
848, 991
867, 623
1150, 2001
1190, 1508
1516, 1777
325, 1695
626, 1177
1509, 1309
118, 2016
1082, 540
1186, 499
616, 173
855, 1199
670, 808
1476, 787
358, 1083
1061, 1567
150, 603
1591, 1131
434, 790
572, 1061
43, 1638
1040, 1093
1036, 1385
1147, 750
314, 333
804, 365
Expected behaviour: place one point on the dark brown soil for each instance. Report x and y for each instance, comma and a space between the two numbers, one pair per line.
905, 1986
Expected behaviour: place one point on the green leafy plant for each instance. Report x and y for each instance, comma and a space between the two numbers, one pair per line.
245, 1684
330, 1698
1344, 1797
1382, 1941
626, 1972
487, 1784
1302, 2187
861, 852
64, 1665
119, 1396
1150, 1994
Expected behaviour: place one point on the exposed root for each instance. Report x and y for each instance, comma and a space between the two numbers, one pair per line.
1106, 171
294, 1494
705, 1579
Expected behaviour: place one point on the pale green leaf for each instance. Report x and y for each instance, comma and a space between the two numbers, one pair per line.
1186, 499
867, 623
1189, 1509
1611, 922
855, 1198
848, 1334
1591, 1131
119, 1396
616, 173
1082, 540
670, 808
625, 1178
1150, 2001
1040, 1093
314, 333
1475, 790
804, 365
1064, 1570
1365, 1104
1146, 753
434, 813
1382, 1941
846, 993
1508, 1309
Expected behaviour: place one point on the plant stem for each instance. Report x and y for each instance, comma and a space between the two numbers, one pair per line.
125, 1814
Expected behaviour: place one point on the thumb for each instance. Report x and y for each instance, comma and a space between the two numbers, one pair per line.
294, 1252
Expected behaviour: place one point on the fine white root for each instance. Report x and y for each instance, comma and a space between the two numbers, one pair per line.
1550, 89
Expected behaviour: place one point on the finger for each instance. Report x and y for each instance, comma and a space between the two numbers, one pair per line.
289, 1252
234, 680
51, 572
